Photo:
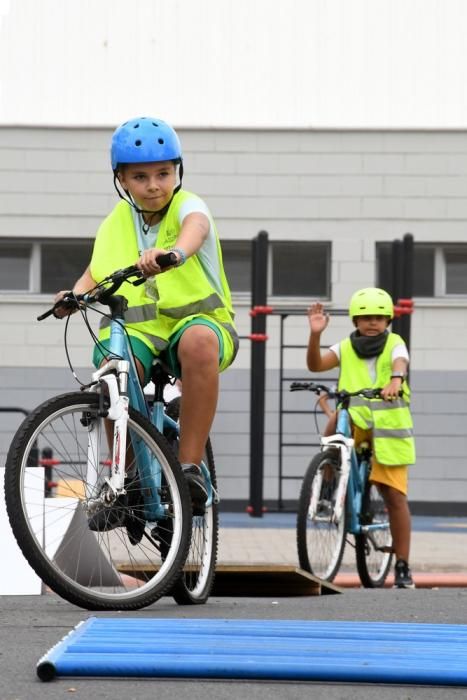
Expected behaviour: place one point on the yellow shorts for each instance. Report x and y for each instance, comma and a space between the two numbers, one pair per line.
395, 476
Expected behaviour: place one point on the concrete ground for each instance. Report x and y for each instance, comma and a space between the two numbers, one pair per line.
438, 548
31, 625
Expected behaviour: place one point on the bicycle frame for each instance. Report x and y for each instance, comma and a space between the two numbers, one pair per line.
358, 471
121, 377
353, 477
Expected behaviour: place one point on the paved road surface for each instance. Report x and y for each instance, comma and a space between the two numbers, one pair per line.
30, 626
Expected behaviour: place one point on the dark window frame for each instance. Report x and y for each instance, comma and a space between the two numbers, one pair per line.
296, 251
38, 263
430, 268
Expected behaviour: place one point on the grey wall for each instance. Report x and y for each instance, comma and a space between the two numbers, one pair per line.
439, 411
349, 187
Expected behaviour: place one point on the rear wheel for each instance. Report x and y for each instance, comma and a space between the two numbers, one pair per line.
105, 560
320, 540
373, 549
197, 579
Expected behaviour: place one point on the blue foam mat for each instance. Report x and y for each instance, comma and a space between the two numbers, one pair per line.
364, 652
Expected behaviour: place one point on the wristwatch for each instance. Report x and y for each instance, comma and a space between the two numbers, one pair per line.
398, 375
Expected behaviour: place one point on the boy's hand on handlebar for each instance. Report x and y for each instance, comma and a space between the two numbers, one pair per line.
317, 318
392, 390
66, 308
148, 262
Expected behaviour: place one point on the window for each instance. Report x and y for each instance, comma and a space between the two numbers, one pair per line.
439, 269
237, 264
62, 263
42, 266
455, 266
301, 268
15, 262
296, 268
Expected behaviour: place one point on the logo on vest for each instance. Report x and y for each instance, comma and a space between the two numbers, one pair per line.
169, 238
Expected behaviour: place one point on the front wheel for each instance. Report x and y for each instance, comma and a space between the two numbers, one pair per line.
112, 560
320, 540
373, 549
197, 579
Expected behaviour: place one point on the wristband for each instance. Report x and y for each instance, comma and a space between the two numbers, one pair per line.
181, 253
398, 375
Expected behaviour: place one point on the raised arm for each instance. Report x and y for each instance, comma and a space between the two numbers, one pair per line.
315, 360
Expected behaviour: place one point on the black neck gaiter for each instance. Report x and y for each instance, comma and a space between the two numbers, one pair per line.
368, 345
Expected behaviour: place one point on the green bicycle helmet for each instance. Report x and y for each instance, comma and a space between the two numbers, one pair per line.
371, 301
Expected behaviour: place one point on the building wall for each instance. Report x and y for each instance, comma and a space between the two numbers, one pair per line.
349, 187
309, 62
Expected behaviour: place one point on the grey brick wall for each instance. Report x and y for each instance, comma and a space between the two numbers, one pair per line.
349, 187
438, 405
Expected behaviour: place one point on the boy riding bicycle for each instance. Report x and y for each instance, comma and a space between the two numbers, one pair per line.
182, 313
374, 357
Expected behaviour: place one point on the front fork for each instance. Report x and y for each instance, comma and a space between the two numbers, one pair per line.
114, 375
342, 448
117, 411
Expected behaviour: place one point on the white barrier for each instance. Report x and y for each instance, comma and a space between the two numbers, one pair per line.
17, 577
68, 540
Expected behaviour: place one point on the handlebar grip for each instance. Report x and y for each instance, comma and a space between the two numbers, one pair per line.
46, 314
166, 260
65, 302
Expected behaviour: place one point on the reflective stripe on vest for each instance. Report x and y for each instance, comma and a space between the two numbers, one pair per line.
377, 405
213, 301
390, 422
392, 433
134, 314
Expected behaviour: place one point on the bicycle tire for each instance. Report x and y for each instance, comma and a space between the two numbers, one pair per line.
320, 542
96, 570
195, 584
373, 566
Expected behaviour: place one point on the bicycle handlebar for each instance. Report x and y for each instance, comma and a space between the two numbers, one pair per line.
101, 293
333, 394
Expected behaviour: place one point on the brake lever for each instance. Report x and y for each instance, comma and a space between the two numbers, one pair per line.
371, 393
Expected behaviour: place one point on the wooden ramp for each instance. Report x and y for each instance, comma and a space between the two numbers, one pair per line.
278, 580
255, 580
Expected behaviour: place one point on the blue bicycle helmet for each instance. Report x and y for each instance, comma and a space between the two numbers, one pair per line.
144, 140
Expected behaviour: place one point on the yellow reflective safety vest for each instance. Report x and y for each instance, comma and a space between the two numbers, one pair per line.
183, 292
390, 421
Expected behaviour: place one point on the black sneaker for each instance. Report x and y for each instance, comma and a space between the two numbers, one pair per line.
402, 575
197, 487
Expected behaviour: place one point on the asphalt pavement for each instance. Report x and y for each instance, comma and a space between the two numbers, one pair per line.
31, 625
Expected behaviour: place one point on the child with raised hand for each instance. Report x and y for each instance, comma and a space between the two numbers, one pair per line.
183, 313
374, 357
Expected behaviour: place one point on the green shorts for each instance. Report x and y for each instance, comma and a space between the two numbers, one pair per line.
169, 356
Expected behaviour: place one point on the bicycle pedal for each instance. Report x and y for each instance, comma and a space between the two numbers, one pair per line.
324, 509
